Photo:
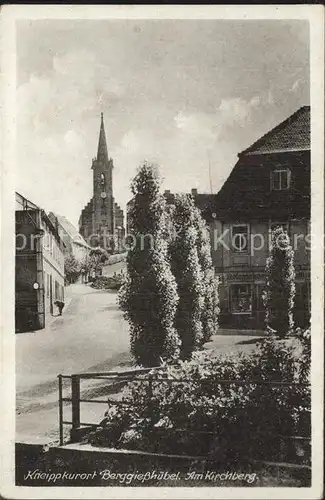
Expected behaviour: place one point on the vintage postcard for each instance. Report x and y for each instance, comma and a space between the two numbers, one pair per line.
162, 251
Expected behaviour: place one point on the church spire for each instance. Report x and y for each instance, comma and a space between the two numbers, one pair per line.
102, 154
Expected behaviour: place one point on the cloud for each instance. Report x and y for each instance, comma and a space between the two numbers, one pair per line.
296, 85
165, 97
234, 111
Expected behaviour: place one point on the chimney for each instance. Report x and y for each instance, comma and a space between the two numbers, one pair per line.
194, 192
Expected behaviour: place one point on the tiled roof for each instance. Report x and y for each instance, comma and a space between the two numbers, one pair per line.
71, 230
293, 134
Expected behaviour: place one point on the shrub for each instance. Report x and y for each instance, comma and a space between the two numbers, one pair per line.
149, 295
280, 284
108, 282
240, 419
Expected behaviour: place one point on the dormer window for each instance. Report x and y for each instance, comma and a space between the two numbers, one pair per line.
280, 179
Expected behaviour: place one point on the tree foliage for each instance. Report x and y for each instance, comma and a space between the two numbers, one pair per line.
210, 283
149, 296
186, 268
72, 268
95, 260
184, 396
280, 284
191, 263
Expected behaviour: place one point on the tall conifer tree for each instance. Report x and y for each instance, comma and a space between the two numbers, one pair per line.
149, 297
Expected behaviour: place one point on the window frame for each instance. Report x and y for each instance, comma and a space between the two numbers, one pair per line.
285, 225
279, 171
250, 285
233, 248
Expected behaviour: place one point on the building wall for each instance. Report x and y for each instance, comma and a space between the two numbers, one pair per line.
53, 268
29, 301
39, 262
242, 274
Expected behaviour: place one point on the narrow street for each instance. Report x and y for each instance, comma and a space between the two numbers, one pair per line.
91, 335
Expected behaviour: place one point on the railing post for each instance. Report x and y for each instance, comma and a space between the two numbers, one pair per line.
75, 401
150, 394
60, 410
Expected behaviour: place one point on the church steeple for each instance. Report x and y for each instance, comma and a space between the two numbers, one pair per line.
102, 155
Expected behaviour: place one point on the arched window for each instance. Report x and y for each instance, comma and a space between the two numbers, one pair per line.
102, 179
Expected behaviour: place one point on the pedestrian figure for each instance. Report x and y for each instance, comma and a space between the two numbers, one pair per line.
60, 306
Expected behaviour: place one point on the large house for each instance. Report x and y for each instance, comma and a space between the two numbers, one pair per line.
102, 220
269, 186
39, 266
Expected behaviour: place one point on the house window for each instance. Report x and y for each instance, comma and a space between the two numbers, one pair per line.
280, 180
239, 238
284, 225
241, 298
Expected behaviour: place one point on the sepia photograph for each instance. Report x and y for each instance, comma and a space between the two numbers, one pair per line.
166, 183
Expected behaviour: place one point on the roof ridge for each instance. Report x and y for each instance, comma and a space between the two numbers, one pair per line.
259, 142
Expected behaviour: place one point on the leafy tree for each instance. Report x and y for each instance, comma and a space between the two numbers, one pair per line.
280, 284
185, 266
94, 261
149, 296
72, 268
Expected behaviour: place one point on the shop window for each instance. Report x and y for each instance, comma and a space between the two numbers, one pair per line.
239, 237
241, 298
280, 179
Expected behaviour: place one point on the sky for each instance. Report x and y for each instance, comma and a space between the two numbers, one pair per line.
179, 93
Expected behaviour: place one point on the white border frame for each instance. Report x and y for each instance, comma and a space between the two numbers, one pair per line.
315, 15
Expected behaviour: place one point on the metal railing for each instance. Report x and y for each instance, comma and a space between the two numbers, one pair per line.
76, 399
131, 375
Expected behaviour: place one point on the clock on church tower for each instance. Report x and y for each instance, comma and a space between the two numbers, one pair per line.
102, 214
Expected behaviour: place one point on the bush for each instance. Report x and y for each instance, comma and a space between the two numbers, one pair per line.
117, 257
239, 419
108, 283
149, 295
280, 284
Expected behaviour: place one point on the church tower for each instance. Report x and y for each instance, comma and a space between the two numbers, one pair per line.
103, 204
101, 221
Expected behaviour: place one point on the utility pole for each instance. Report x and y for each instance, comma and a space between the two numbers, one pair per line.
210, 175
